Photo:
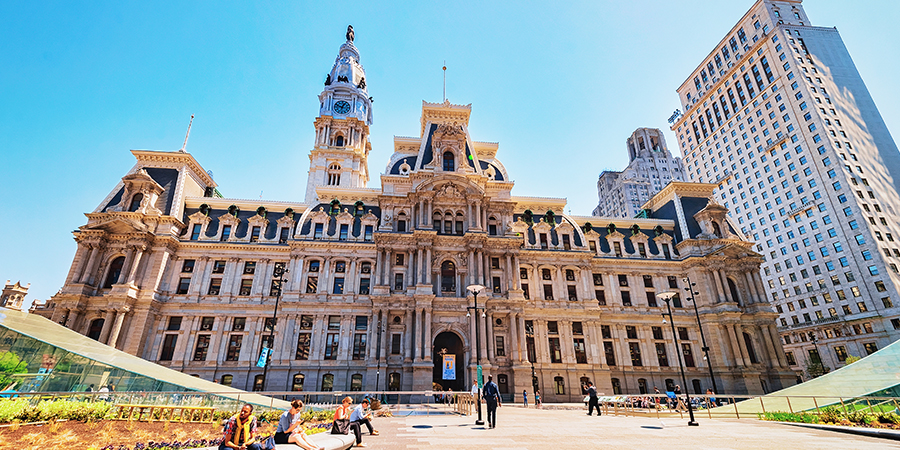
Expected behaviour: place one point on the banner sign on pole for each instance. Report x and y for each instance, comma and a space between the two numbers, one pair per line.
449, 367
478, 377
263, 356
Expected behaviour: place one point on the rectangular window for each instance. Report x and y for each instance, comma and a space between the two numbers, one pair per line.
254, 234
338, 287
331, 346
573, 296
238, 324
226, 233
555, 350
168, 348
601, 297
610, 353
334, 323
626, 298
499, 348
661, 355
688, 355
548, 292
215, 285
312, 285
364, 286
651, 298
187, 266
395, 343
234, 347
580, 353
635, 349
495, 284
345, 230
367, 236
195, 231
598, 279
317, 231
304, 340
359, 346
206, 323
246, 286
184, 284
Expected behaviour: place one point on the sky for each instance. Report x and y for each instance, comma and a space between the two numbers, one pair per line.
560, 86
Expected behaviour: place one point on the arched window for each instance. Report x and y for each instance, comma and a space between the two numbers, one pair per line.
356, 382
716, 230
327, 382
584, 382
334, 174
297, 383
734, 292
258, 382
115, 269
616, 386
449, 162
136, 202
560, 385
436, 221
460, 223
503, 383
227, 379
96, 329
642, 385
339, 141
394, 381
698, 390
401, 222
448, 222
448, 277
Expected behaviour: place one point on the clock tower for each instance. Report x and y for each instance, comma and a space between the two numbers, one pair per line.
339, 158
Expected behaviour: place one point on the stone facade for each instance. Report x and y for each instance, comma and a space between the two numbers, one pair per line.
370, 286
650, 167
778, 117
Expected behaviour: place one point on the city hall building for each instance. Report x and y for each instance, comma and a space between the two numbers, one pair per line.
368, 288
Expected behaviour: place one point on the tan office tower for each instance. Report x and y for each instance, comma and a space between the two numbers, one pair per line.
778, 116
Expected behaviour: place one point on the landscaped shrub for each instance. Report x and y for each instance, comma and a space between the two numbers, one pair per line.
20, 410
831, 415
891, 418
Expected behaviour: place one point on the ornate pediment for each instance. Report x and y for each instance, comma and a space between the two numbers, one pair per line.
258, 221
519, 226
542, 226
117, 223
199, 217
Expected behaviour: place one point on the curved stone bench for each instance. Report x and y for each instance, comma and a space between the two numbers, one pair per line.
325, 440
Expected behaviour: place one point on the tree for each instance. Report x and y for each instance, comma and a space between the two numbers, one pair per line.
10, 364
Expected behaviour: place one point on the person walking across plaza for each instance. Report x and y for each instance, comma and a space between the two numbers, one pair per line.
525, 398
593, 402
361, 417
492, 397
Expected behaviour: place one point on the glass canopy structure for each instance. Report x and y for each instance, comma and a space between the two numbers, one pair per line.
37, 355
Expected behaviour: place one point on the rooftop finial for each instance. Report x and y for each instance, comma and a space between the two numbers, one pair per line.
350, 34
445, 80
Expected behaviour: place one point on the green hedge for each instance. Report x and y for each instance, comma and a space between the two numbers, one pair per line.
20, 410
836, 416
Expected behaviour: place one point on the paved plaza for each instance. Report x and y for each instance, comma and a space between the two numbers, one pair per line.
520, 428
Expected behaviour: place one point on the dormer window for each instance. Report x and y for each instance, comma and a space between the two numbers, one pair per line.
136, 202
226, 232
339, 141
449, 162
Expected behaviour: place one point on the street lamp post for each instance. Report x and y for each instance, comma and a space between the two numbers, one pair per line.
379, 324
279, 274
529, 332
667, 298
705, 348
475, 289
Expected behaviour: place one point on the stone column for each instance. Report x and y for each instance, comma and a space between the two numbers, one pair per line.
717, 282
471, 262
350, 277
489, 336
117, 328
523, 340
738, 329
198, 276
426, 341
736, 346
513, 338
724, 279
407, 335
509, 272
385, 335
420, 266
107, 325
417, 340
325, 275
427, 265
85, 276
410, 273
517, 282
379, 259
126, 267
71, 315
483, 341
478, 223
776, 340
133, 271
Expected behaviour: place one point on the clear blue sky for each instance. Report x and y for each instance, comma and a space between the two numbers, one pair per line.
559, 85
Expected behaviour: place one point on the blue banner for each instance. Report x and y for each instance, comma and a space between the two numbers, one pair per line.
449, 367
263, 356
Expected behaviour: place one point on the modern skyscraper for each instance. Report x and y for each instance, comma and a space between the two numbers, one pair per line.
779, 118
651, 166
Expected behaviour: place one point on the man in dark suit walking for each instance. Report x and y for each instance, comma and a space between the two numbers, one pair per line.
492, 396
592, 399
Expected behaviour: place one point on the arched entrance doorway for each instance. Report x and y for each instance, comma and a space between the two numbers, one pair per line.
449, 343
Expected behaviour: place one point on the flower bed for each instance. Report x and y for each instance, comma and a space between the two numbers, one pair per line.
835, 416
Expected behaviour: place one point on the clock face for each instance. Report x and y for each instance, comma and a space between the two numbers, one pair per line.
342, 107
